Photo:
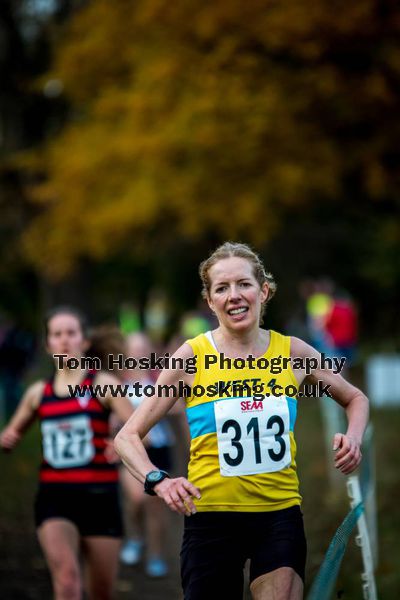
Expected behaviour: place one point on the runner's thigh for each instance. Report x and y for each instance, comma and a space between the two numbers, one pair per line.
212, 558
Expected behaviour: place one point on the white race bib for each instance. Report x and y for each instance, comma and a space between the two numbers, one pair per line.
253, 435
68, 442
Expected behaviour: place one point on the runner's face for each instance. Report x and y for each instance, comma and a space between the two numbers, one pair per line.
138, 347
65, 336
235, 294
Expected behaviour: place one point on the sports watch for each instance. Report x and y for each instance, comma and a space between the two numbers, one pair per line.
152, 478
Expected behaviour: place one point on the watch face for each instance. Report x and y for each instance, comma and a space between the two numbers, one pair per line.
154, 476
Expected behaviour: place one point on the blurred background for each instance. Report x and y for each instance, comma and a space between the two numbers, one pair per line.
137, 136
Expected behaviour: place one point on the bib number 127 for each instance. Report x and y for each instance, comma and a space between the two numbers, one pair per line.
67, 442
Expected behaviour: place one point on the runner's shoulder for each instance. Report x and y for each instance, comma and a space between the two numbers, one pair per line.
34, 392
184, 351
300, 349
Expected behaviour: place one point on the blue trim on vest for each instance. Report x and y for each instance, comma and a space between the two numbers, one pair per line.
201, 418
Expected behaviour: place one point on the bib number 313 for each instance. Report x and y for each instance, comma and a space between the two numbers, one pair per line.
253, 436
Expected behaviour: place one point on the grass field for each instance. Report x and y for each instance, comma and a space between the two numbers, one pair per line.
23, 573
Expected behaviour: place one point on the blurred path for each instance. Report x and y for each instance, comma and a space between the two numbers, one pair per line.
26, 577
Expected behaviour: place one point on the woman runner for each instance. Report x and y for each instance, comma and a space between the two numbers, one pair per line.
241, 498
77, 505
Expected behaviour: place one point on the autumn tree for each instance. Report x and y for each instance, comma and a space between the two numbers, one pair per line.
224, 119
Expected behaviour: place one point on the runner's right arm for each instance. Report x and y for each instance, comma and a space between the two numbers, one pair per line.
177, 492
23, 417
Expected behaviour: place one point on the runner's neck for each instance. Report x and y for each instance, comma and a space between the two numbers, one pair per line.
241, 345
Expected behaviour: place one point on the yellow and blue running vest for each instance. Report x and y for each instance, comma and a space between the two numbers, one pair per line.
242, 452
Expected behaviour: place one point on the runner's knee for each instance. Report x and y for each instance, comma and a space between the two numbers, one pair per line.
67, 583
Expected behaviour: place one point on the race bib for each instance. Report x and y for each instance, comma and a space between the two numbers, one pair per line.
253, 435
68, 442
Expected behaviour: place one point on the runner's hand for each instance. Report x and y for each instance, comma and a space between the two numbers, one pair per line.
110, 453
178, 494
348, 453
9, 438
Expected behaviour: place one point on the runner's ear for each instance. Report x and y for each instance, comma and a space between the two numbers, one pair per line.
210, 302
264, 292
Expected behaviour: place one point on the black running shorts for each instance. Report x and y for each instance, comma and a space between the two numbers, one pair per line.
216, 546
94, 509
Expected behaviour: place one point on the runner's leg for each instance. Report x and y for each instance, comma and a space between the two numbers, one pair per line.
59, 540
281, 584
101, 564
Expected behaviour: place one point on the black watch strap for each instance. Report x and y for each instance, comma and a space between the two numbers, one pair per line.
152, 478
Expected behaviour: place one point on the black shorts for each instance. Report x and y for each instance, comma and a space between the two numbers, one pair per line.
160, 457
216, 546
94, 509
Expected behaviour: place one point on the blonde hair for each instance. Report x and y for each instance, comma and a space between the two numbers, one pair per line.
235, 249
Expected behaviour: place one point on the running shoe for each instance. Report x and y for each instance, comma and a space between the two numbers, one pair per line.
131, 552
156, 567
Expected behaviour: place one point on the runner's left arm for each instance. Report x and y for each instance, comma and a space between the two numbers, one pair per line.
347, 446
119, 405
115, 401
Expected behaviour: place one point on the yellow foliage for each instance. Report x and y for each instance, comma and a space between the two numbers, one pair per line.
201, 116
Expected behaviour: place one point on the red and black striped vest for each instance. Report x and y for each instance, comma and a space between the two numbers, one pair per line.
74, 434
